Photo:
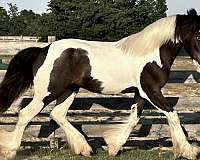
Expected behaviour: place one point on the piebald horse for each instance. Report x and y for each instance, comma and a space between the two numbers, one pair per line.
140, 62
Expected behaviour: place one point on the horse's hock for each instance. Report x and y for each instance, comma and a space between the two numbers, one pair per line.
97, 112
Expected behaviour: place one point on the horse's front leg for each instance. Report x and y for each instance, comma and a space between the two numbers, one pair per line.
117, 135
11, 141
181, 146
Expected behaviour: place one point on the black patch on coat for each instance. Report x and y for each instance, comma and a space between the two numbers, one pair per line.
71, 71
130, 90
153, 78
66, 94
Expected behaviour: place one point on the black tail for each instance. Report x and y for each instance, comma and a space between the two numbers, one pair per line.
19, 75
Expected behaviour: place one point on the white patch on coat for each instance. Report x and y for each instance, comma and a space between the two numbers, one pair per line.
118, 71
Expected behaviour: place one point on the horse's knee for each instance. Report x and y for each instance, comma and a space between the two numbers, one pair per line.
62, 105
58, 116
54, 114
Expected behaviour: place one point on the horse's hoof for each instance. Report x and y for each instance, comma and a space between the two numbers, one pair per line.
7, 149
83, 149
189, 152
6, 154
86, 151
113, 149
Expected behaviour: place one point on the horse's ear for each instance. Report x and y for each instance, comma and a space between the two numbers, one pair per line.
192, 12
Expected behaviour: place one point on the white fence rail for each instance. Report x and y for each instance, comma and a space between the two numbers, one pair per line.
19, 38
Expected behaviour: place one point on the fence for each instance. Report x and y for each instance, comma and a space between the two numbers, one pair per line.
94, 113
19, 38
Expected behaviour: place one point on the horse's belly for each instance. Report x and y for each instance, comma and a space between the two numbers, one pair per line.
115, 87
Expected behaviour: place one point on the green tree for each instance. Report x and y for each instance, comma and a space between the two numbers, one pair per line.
4, 20
13, 13
161, 8
103, 19
27, 23
86, 19
45, 26
13, 10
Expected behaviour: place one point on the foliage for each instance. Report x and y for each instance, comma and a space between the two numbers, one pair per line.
45, 26
103, 19
27, 22
86, 19
4, 20
13, 25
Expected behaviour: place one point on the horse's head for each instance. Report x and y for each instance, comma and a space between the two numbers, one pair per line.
188, 32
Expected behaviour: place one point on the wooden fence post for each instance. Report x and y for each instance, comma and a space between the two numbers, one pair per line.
51, 39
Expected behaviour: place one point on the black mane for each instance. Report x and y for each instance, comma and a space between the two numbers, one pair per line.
187, 25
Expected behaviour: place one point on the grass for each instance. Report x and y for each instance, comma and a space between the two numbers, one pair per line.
66, 154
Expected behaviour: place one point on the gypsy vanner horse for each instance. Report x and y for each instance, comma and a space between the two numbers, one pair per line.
140, 62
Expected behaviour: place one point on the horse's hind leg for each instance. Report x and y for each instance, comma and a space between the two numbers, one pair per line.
117, 136
11, 141
75, 139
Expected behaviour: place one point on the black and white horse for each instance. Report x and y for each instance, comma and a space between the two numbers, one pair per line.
139, 63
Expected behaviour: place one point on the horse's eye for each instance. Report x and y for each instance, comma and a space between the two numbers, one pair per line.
198, 38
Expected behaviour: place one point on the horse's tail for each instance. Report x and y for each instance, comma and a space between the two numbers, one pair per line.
19, 75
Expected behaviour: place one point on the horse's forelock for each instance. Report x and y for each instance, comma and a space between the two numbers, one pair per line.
195, 18
192, 12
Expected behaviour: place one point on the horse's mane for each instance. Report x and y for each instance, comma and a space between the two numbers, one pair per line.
150, 38
174, 28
